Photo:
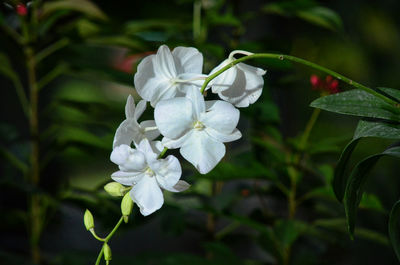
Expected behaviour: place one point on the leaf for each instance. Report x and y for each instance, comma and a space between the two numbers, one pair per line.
84, 6
128, 42
365, 128
371, 202
6, 68
309, 11
355, 186
394, 228
358, 103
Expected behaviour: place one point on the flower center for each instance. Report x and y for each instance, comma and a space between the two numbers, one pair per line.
149, 172
198, 125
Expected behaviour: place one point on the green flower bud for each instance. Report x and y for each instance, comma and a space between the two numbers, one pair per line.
88, 220
114, 189
107, 252
126, 206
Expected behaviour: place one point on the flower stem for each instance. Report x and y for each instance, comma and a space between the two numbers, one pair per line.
304, 62
105, 240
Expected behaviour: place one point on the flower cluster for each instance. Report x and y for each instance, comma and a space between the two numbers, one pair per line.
171, 81
329, 85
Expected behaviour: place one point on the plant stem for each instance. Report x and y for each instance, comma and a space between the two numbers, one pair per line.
35, 211
196, 20
107, 239
304, 62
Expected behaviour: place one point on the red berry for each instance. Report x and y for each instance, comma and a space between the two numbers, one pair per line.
21, 10
315, 81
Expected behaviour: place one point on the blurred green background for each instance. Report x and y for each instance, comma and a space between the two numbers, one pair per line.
84, 55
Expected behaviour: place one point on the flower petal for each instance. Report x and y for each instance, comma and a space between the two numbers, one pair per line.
203, 151
221, 116
176, 143
224, 80
221, 137
196, 80
197, 100
130, 107
174, 117
246, 88
126, 132
127, 178
120, 154
188, 60
168, 171
150, 134
164, 64
180, 186
140, 108
147, 195
148, 151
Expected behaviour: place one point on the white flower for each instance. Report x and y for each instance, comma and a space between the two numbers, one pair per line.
199, 128
130, 130
168, 74
141, 169
240, 85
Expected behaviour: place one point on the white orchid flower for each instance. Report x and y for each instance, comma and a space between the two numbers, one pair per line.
168, 74
130, 130
141, 169
241, 84
197, 127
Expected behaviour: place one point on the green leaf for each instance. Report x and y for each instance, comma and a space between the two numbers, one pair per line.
365, 128
371, 202
309, 11
394, 228
355, 186
84, 6
128, 42
359, 103
6, 68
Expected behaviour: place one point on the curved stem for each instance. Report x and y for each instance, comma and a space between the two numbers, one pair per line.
114, 229
100, 256
304, 62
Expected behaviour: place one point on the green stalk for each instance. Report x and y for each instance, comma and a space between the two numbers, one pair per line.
300, 61
105, 240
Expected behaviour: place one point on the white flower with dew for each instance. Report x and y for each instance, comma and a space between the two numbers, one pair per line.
130, 130
241, 84
197, 127
141, 169
168, 74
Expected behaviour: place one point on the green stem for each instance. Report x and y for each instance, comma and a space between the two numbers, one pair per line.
162, 153
51, 49
300, 61
196, 20
105, 240
307, 131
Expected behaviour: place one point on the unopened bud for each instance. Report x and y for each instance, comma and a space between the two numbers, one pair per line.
114, 189
126, 206
88, 220
21, 10
107, 252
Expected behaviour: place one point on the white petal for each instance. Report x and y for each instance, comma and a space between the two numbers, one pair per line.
172, 144
246, 88
140, 108
202, 151
127, 178
151, 134
196, 80
147, 195
145, 147
164, 64
120, 154
221, 116
165, 90
174, 117
126, 132
168, 171
224, 80
197, 100
188, 60
130, 107
145, 76
180, 186
221, 137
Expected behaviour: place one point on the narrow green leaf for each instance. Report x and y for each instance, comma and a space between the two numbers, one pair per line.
358, 103
84, 6
355, 186
394, 228
6, 68
365, 128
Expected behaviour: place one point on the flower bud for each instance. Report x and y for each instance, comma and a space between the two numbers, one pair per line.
107, 252
88, 220
114, 189
126, 206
